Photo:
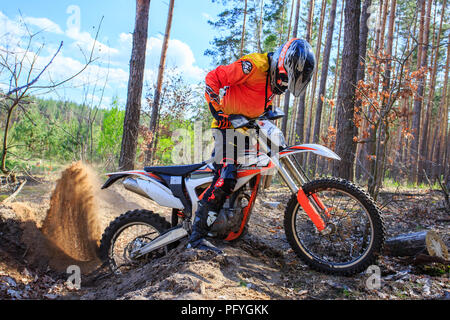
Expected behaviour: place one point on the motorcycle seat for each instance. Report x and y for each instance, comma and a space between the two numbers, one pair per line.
175, 170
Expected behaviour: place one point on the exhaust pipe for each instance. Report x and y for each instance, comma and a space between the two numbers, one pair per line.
132, 185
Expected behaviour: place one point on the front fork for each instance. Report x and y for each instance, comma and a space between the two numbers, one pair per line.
313, 206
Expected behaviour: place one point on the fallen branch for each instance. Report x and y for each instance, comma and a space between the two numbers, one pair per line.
425, 259
413, 244
15, 193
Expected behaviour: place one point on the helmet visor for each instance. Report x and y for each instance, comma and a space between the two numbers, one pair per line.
299, 81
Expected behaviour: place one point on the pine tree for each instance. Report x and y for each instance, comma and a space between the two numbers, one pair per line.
135, 83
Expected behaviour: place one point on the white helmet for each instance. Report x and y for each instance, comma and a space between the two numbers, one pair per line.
291, 67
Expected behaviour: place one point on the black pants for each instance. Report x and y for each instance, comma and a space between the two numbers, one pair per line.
228, 146
225, 155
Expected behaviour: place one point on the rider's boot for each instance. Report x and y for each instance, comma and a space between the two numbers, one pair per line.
202, 222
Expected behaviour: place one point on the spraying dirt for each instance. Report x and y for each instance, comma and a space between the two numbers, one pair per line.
71, 226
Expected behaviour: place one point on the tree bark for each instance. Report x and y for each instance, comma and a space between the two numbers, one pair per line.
360, 76
383, 133
300, 123
411, 244
311, 112
287, 95
444, 143
346, 129
323, 78
260, 26
135, 83
316, 72
156, 99
243, 30
432, 168
417, 110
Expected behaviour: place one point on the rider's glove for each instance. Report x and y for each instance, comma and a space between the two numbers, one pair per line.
221, 118
222, 121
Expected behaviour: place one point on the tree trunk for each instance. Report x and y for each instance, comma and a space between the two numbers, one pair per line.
411, 244
135, 82
316, 72
371, 145
156, 99
243, 30
260, 26
434, 162
323, 79
287, 95
417, 110
5, 136
363, 35
383, 135
443, 154
300, 123
314, 83
346, 129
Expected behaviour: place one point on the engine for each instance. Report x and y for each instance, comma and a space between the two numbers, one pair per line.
230, 217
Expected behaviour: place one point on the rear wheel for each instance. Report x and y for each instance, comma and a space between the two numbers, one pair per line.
354, 233
128, 232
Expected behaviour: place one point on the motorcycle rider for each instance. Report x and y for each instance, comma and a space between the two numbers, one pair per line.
250, 84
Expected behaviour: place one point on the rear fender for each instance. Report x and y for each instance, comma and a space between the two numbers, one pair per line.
115, 176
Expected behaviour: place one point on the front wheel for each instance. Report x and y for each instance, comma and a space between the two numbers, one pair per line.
354, 233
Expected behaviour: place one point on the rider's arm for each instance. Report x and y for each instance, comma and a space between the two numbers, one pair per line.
225, 76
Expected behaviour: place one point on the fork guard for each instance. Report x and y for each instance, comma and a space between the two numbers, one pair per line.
310, 210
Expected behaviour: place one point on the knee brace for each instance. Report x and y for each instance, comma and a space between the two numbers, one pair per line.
223, 187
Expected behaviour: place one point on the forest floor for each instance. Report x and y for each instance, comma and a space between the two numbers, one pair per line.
260, 266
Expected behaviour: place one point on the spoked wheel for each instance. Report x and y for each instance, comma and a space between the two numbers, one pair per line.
354, 233
130, 231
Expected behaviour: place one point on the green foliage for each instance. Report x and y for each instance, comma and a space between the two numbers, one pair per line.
109, 142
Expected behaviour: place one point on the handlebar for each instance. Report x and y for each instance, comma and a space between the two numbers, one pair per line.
240, 121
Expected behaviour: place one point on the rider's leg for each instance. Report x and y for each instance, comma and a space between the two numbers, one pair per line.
214, 198
210, 206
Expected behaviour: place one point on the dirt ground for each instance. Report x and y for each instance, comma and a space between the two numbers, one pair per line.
260, 266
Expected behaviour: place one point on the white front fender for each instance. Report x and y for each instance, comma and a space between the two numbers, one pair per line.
314, 148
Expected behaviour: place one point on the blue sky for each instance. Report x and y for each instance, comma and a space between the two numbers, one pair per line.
190, 37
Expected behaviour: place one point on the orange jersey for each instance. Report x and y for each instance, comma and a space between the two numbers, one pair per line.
245, 83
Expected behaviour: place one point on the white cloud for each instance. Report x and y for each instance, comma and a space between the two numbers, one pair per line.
206, 16
44, 24
85, 41
10, 31
179, 56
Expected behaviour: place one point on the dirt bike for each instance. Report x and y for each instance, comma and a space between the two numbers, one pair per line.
330, 223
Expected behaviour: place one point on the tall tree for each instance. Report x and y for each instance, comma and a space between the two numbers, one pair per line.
300, 121
443, 153
363, 35
346, 129
418, 103
287, 95
431, 94
243, 29
316, 71
135, 82
382, 132
156, 98
370, 145
323, 78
